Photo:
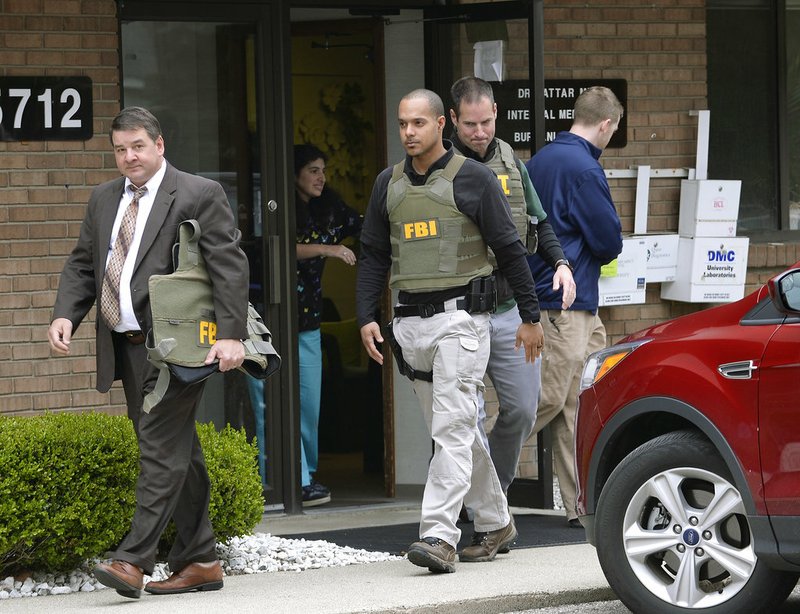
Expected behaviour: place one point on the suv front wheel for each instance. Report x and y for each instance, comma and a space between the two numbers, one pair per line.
673, 536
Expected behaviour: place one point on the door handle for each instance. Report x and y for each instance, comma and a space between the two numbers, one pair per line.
274, 255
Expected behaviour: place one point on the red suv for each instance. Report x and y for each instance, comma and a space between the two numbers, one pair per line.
687, 442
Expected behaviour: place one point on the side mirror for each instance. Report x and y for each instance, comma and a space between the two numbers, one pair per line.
784, 290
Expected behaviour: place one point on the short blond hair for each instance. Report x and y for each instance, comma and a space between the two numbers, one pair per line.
597, 104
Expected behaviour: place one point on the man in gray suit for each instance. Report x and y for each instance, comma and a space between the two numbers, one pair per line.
131, 230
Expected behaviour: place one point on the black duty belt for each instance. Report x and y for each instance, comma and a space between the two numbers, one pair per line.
426, 310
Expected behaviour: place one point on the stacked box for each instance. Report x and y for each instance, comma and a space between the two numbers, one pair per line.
710, 270
709, 208
712, 260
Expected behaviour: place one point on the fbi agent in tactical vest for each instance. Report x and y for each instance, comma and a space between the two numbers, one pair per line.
517, 383
428, 223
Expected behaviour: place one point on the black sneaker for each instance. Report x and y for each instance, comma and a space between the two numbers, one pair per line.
315, 494
434, 553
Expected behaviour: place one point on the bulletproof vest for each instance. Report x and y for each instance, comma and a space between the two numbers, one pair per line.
434, 245
503, 165
185, 326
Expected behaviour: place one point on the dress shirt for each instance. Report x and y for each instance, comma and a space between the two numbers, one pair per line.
128, 319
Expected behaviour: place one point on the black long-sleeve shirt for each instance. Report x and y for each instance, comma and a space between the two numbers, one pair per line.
478, 195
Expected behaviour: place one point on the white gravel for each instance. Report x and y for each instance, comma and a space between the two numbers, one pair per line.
257, 553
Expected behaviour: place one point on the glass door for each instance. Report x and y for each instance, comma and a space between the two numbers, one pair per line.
502, 43
211, 78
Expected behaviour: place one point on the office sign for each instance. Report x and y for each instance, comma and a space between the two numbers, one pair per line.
513, 108
45, 108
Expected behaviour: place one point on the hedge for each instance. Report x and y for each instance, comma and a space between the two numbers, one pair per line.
67, 487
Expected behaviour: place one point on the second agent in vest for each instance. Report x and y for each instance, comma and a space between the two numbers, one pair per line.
517, 382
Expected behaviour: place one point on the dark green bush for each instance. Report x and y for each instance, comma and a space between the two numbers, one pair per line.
67, 487
237, 501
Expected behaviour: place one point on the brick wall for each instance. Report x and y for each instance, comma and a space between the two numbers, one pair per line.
44, 187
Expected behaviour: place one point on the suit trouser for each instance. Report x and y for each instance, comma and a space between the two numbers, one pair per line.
455, 346
173, 481
570, 336
517, 385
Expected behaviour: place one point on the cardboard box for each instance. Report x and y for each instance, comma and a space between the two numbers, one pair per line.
662, 257
709, 207
710, 270
622, 282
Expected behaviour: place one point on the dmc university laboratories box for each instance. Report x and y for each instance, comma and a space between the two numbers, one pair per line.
710, 270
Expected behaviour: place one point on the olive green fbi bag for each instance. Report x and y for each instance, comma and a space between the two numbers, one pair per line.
185, 326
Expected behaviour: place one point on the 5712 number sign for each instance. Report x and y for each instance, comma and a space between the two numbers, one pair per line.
45, 108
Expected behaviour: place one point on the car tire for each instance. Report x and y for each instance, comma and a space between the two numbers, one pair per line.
673, 537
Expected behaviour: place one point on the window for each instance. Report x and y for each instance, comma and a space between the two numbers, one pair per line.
753, 50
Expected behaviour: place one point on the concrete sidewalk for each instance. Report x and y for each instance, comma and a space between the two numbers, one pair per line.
523, 579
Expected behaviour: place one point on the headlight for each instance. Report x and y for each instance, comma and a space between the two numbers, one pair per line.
600, 363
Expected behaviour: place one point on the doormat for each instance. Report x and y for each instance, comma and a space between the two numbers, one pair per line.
535, 531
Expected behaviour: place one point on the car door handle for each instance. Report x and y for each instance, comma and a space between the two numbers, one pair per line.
742, 369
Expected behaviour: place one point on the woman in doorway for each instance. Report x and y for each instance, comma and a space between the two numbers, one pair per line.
323, 222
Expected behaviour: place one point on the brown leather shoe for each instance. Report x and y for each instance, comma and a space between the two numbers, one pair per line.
193, 577
125, 577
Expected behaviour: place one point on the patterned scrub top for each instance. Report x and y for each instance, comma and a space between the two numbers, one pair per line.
344, 222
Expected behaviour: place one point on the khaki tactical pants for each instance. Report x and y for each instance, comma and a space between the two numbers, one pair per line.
455, 346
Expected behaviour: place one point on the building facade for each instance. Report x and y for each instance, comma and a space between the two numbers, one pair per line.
230, 83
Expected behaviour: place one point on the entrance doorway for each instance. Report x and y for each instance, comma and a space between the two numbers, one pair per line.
336, 68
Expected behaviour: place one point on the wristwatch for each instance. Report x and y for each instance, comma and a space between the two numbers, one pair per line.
565, 262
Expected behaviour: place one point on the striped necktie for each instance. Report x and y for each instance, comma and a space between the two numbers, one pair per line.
109, 296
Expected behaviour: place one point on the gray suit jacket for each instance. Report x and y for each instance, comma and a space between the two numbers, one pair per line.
181, 196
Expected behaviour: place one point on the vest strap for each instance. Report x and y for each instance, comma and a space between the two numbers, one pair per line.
155, 396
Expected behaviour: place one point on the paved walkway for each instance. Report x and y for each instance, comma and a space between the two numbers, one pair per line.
522, 579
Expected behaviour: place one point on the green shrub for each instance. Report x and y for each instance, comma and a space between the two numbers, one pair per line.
237, 501
67, 487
